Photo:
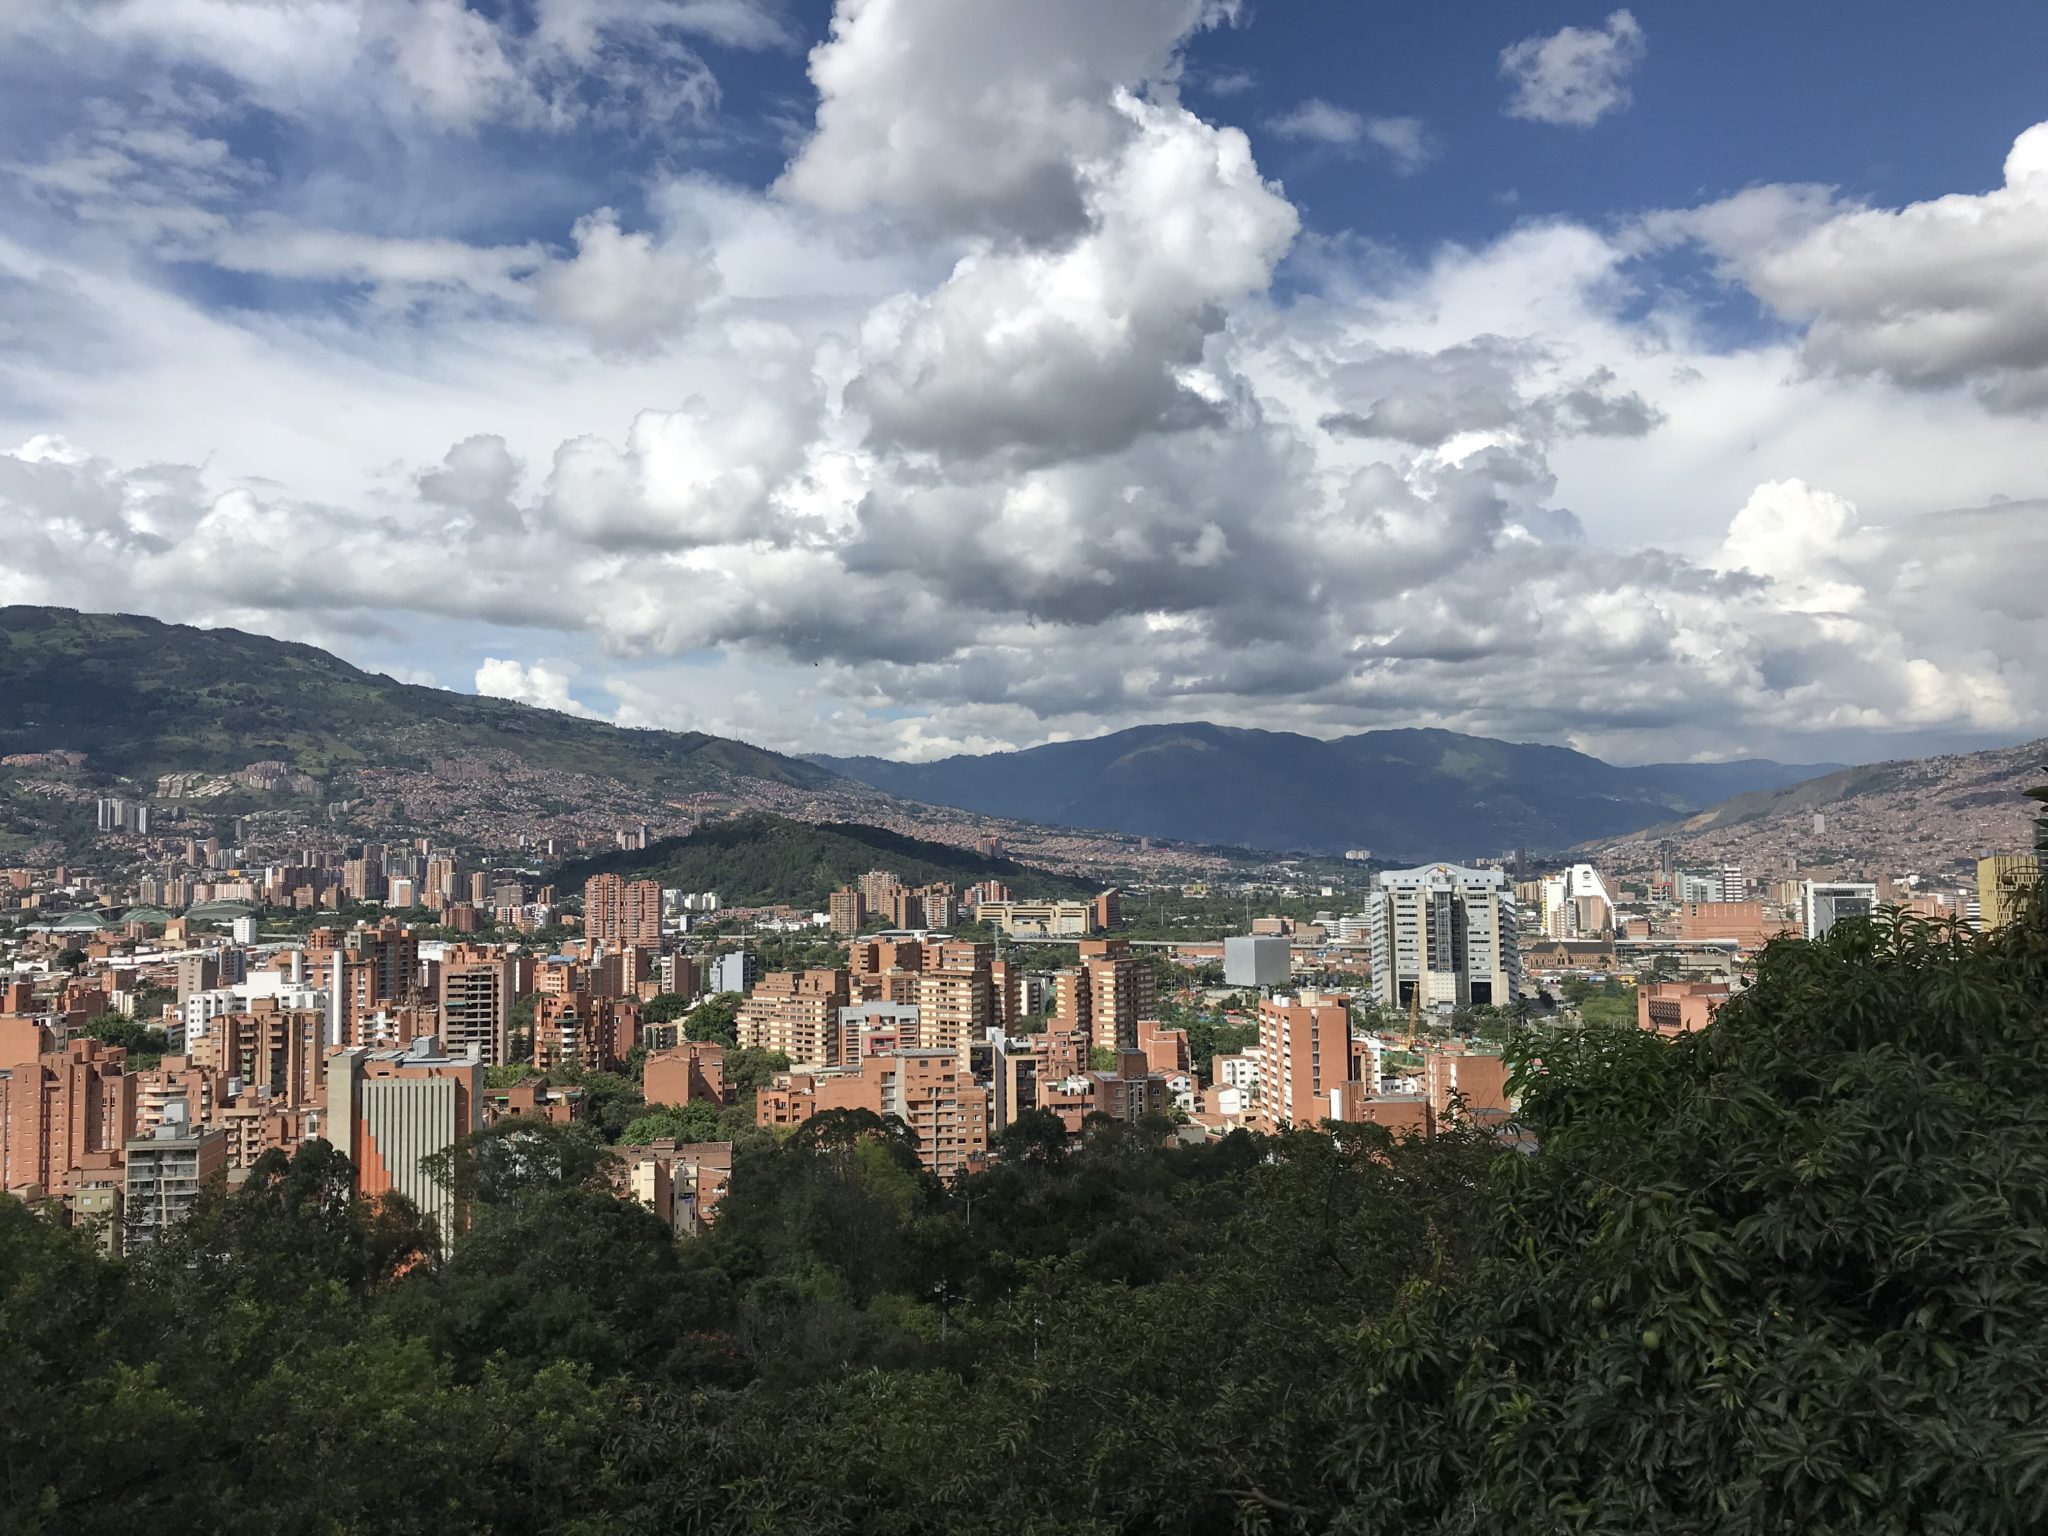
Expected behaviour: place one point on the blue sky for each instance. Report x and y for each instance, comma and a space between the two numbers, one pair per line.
962, 374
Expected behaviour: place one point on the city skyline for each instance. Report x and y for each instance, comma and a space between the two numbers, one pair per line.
912, 378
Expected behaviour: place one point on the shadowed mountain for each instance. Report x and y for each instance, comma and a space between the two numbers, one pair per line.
1402, 794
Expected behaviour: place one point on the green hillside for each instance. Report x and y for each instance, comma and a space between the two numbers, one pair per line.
757, 859
143, 698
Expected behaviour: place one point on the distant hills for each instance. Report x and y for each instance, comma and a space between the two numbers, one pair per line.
759, 859
1402, 794
1923, 812
143, 698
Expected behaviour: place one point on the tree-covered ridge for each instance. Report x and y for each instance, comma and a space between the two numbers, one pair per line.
143, 698
761, 858
1782, 1276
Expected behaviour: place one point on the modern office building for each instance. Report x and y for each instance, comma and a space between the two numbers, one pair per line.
1443, 936
2000, 879
389, 1111
734, 971
1259, 959
1825, 903
1577, 903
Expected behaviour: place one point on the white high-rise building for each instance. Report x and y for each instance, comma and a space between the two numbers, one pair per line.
1823, 903
1443, 936
1577, 902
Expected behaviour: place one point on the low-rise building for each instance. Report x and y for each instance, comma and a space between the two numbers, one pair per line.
1678, 1007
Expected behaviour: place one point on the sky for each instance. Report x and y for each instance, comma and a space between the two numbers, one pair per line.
910, 377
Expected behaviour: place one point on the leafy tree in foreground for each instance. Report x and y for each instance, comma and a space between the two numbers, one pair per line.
1779, 1276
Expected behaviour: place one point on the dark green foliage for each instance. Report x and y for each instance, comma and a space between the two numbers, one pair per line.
715, 1020
1611, 1004
144, 1043
698, 1120
1779, 1277
665, 1008
748, 1069
757, 859
611, 1101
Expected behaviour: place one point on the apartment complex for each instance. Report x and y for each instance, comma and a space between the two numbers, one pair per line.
65, 1116
617, 911
1103, 998
1304, 1059
476, 995
931, 1091
846, 911
956, 995
580, 1029
796, 1013
166, 1171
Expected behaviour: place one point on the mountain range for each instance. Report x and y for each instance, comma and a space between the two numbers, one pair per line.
143, 699
1400, 794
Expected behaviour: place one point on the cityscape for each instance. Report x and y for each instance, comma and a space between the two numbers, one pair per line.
1023, 768
198, 1017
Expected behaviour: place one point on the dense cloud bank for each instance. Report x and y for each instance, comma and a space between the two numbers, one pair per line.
1020, 404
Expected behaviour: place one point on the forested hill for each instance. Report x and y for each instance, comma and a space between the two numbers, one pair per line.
143, 698
758, 859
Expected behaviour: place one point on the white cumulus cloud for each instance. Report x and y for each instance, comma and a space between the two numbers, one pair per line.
1574, 76
541, 686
